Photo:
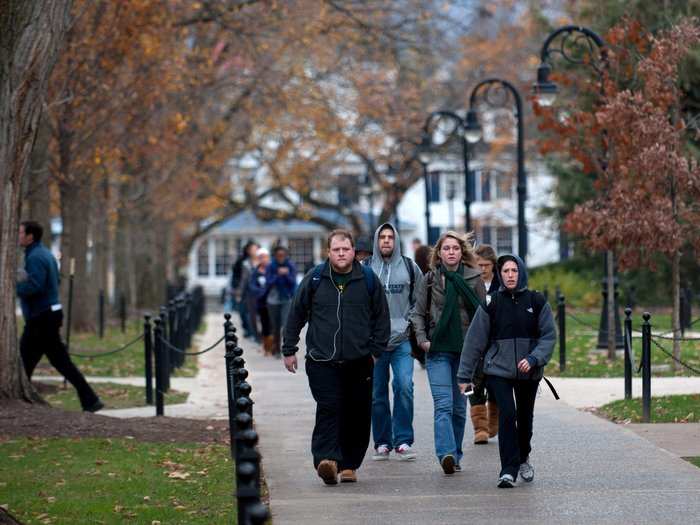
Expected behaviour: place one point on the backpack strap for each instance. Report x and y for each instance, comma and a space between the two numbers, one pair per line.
412, 273
429, 280
369, 279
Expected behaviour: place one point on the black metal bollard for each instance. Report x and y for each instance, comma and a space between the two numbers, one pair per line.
243, 422
545, 292
101, 314
122, 312
258, 514
160, 366
628, 353
561, 314
230, 337
165, 357
646, 368
172, 333
148, 357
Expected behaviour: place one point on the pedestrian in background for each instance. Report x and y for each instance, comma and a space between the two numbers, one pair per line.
345, 306
484, 410
514, 335
37, 288
363, 249
281, 282
422, 258
446, 302
240, 276
258, 290
392, 430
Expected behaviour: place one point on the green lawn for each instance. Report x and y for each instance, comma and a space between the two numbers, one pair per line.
115, 481
694, 461
664, 409
130, 362
583, 360
113, 395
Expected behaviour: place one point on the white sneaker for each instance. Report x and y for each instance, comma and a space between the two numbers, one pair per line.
506, 481
405, 453
381, 453
526, 472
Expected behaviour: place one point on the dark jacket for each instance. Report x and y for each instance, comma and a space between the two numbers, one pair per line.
513, 334
39, 291
258, 287
341, 326
284, 285
433, 279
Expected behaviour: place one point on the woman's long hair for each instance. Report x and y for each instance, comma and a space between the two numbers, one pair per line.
465, 242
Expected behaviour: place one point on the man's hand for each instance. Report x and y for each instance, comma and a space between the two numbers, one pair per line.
524, 366
21, 275
425, 346
465, 387
290, 363
282, 270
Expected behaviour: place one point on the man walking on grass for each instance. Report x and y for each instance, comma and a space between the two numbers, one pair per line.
346, 309
399, 276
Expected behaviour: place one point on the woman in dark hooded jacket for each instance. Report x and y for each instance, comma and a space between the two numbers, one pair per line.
515, 335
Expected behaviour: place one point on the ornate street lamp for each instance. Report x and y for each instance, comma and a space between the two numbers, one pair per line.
425, 155
497, 93
561, 42
445, 124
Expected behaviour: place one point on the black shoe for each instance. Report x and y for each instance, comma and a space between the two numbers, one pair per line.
448, 464
97, 405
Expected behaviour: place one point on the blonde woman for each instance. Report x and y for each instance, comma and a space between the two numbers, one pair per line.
446, 301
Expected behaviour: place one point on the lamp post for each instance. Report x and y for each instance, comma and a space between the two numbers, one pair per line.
494, 93
424, 155
461, 128
545, 92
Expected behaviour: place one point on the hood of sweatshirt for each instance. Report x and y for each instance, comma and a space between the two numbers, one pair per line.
396, 280
522, 271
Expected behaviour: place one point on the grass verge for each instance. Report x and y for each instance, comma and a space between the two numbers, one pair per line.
584, 360
113, 395
694, 461
664, 409
114, 481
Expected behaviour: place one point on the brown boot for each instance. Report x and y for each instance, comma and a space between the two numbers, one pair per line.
492, 408
481, 424
348, 476
328, 471
269, 344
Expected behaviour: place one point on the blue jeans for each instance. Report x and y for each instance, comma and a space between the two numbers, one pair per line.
450, 406
395, 430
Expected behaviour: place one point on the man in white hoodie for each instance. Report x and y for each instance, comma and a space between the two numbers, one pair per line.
400, 276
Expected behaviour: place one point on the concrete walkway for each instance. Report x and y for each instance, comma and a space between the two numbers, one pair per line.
588, 470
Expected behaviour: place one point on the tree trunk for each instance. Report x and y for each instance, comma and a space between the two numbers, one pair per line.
676, 315
37, 197
612, 328
75, 197
31, 33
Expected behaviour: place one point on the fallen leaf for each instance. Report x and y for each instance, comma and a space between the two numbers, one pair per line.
176, 474
147, 498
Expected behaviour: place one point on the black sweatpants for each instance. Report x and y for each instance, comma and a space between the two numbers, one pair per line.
343, 395
41, 336
516, 403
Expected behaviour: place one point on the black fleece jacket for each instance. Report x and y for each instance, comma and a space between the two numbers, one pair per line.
342, 326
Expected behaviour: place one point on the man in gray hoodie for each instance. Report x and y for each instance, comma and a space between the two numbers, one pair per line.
399, 276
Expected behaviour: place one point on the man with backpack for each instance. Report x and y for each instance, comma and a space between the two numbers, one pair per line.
508, 344
399, 276
346, 309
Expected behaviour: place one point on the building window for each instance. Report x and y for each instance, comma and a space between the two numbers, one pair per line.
301, 252
222, 259
504, 239
485, 177
504, 186
203, 259
485, 235
434, 186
